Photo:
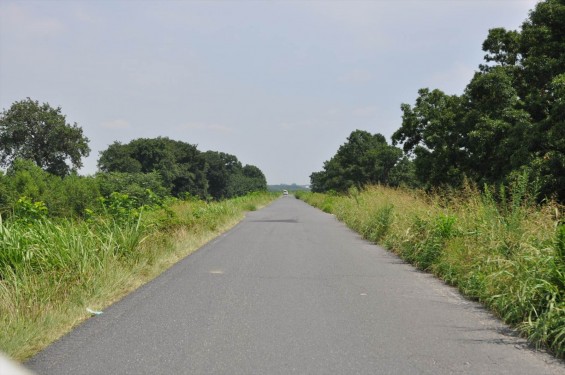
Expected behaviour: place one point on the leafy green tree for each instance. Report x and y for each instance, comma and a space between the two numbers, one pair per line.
5, 192
118, 157
403, 174
41, 133
431, 132
220, 167
533, 60
364, 159
227, 178
318, 182
549, 158
502, 47
181, 166
509, 120
190, 173
249, 179
542, 84
256, 180
498, 128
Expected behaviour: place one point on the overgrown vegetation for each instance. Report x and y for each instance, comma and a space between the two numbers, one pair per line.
70, 242
502, 244
497, 247
363, 160
509, 120
53, 269
33, 134
183, 169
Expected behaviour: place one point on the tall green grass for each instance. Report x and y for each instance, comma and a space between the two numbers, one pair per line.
52, 270
508, 252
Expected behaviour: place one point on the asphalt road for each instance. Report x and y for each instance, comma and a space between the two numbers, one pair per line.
290, 290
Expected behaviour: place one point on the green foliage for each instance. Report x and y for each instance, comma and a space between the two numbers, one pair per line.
135, 185
180, 165
560, 247
378, 224
509, 122
27, 179
510, 118
29, 212
431, 249
403, 174
120, 207
182, 169
120, 159
5, 194
220, 167
255, 177
69, 196
496, 246
428, 132
249, 179
72, 196
427, 241
40, 133
227, 178
363, 159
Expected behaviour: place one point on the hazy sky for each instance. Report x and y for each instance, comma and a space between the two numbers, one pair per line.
279, 84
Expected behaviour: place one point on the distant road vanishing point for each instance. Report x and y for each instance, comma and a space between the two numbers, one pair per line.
290, 290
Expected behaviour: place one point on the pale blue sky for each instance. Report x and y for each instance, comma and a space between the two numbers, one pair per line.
279, 84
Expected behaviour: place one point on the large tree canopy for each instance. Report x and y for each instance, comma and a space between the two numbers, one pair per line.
183, 169
228, 178
181, 166
221, 167
364, 159
40, 133
510, 119
429, 131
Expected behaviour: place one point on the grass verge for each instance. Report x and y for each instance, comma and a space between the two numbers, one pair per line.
52, 271
507, 253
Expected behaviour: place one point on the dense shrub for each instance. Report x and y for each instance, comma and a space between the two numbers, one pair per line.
135, 185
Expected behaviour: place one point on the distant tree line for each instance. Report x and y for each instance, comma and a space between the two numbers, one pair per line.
364, 159
41, 153
183, 169
509, 122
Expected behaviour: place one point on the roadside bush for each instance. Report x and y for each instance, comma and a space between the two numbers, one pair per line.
27, 179
69, 196
28, 212
135, 185
72, 196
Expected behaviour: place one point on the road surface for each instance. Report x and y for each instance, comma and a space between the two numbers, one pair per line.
290, 290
